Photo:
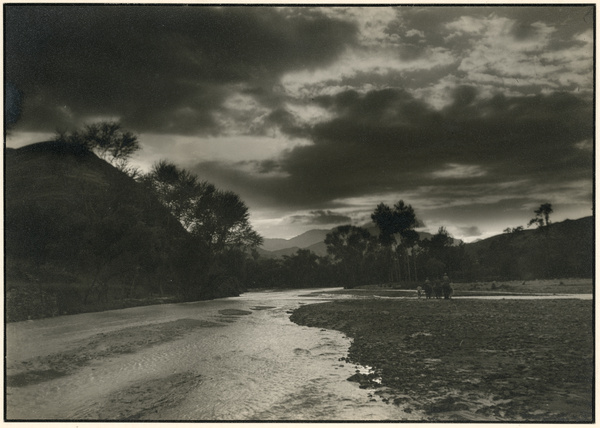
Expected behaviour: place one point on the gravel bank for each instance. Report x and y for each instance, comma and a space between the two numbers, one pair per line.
471, 360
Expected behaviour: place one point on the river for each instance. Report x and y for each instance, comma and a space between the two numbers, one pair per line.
233, 359
230, 359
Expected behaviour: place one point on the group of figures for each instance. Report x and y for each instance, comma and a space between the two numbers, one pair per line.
437, 289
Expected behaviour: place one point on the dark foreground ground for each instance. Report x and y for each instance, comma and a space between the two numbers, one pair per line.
471, 360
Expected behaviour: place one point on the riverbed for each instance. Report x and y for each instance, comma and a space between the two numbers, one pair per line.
469, 360
235, 359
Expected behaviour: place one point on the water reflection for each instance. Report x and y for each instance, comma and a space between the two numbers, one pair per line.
257, 365
238, 358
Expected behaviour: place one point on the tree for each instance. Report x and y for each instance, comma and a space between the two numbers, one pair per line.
438, 249
350, 246
542, 219
399, 221
265, 273
302, 268
384, 218
220, 219
217, 220
108, 140
434, 268
442, 239
177, 189
542, 215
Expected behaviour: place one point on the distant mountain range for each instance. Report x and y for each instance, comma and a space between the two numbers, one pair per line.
304, 240
568, 232
313, 240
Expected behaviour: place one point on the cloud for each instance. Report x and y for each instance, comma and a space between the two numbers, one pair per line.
166, 69
321, 111
457, 171
321, 217
390, 138
390, 144
470, 231
507, 52
12, 104
586, 145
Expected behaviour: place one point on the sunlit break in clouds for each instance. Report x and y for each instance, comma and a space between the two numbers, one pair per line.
474, 115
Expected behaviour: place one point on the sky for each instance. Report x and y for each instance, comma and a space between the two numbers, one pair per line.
473, 115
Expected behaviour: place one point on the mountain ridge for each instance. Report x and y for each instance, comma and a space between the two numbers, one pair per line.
303, 240
313, 240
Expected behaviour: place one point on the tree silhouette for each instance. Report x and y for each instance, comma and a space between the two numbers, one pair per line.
442, 239
220, 219
218, 222
401, 220
302, 268
108, 140
177, 189
350, 246
542, 215
397, 222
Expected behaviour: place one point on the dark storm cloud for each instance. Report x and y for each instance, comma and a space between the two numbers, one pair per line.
12, 104
287, 123
320, 109
321, 217
387, 141
161, 68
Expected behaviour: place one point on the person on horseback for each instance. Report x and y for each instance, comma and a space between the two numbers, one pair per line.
437, 289
446, 287
428, 288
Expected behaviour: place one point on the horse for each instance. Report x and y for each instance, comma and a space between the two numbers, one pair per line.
428, 290
437, 290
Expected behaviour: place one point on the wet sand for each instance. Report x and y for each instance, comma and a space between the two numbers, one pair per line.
230, 359
470, 360
100, 346
140, 400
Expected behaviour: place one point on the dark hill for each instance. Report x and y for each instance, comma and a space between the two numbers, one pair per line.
564, 249
80, 232
561, 250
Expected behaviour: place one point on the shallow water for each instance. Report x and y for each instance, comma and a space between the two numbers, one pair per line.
499, 296
530, 297
243, 359
256, 366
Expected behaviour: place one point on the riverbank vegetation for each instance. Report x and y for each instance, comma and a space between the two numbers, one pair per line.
470, 360
358, 256
85, 231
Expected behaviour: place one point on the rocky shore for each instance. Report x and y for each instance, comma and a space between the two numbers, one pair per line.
470, 360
